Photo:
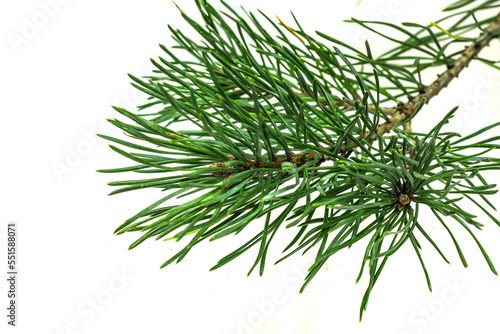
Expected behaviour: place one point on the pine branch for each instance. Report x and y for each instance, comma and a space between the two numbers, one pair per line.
269, 112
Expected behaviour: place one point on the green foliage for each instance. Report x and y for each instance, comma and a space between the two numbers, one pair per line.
288, 129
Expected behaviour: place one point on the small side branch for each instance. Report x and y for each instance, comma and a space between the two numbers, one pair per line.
397, 114
404, 111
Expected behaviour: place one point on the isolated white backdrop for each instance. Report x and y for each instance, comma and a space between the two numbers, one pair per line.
59, 75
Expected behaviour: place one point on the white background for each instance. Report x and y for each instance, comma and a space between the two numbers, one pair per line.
56, 89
